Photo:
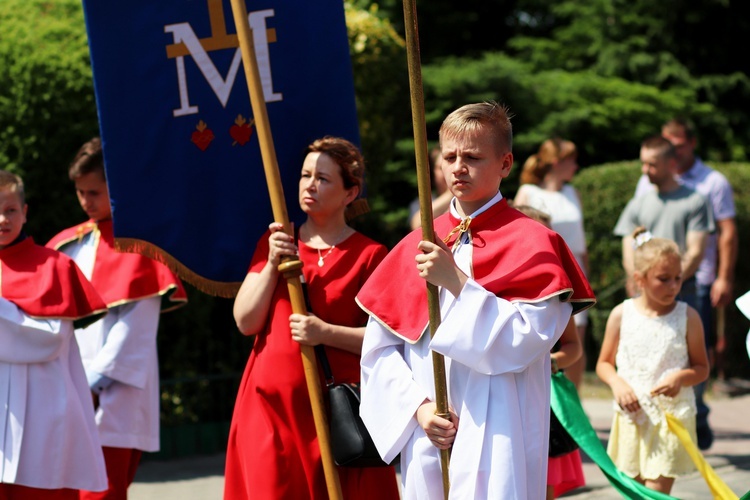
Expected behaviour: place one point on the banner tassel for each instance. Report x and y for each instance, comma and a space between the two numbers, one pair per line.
205, 285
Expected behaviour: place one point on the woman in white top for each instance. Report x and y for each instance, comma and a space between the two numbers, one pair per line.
544, 186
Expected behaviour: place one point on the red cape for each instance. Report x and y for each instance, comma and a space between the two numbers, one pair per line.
122, 277
514, 257
44, 283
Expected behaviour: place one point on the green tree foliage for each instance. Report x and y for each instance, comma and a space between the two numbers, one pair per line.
47, 106
378, 54
201, 356
382, 88
674, 46
606, 117
448, 27
659, 44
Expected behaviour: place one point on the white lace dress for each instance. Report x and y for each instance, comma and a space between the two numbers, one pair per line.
641, 443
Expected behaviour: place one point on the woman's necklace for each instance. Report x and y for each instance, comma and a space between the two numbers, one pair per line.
321, 257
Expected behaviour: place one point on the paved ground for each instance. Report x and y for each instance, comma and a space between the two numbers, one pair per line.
201, 478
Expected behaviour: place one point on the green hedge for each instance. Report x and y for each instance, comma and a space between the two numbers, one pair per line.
47, 105
604, 191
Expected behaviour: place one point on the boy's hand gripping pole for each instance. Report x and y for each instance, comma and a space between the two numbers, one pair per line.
425, 207
290, 268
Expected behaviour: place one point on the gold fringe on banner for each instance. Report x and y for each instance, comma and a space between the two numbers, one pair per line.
205, 285
217, 288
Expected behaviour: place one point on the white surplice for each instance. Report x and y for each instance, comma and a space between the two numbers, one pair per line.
122, 346
48, 438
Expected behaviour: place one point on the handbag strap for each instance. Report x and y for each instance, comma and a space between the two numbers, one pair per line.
320, 352
320, 349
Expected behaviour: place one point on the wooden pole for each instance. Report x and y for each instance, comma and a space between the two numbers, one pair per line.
425, 207
290, 268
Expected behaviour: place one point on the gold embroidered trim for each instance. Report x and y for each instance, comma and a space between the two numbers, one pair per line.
205, 285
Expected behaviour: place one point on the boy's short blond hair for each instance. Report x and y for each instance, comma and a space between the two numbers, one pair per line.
14, 184
471, 118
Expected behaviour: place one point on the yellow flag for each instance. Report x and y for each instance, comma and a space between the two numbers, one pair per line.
718, 487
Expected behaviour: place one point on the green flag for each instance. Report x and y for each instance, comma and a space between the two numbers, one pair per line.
569, 412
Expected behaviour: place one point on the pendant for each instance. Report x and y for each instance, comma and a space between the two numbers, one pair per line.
320, 262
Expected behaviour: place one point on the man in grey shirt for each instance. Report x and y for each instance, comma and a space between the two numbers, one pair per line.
672, 211
715, 275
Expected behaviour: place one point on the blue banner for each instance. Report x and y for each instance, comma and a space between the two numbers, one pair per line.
181, 154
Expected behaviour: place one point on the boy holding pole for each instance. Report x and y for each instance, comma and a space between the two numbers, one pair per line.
119, 352
508, 286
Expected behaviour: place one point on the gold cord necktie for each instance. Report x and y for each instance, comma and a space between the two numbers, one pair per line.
462, 227
82, 230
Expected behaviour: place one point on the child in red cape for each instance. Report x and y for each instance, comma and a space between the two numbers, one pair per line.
508, 286
119, 352
42, 382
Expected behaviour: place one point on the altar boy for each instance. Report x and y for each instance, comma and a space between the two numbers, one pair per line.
49, 446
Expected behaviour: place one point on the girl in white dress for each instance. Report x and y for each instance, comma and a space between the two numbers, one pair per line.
652, 353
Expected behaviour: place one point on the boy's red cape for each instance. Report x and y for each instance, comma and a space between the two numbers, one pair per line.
514, 257
122, 277
44, 283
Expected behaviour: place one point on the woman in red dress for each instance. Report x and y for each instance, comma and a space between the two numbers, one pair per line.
273, 450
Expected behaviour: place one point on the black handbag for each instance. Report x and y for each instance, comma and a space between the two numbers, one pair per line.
560, 442
351, 444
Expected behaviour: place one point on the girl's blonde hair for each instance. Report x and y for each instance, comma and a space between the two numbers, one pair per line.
650, 250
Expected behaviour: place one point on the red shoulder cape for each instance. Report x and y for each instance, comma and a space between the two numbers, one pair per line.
122, 277
45, 283
514, 257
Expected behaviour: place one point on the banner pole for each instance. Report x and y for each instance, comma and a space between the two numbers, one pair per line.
425, 207
291, 268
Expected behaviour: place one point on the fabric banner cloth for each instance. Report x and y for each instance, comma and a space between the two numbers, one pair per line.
181, 153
